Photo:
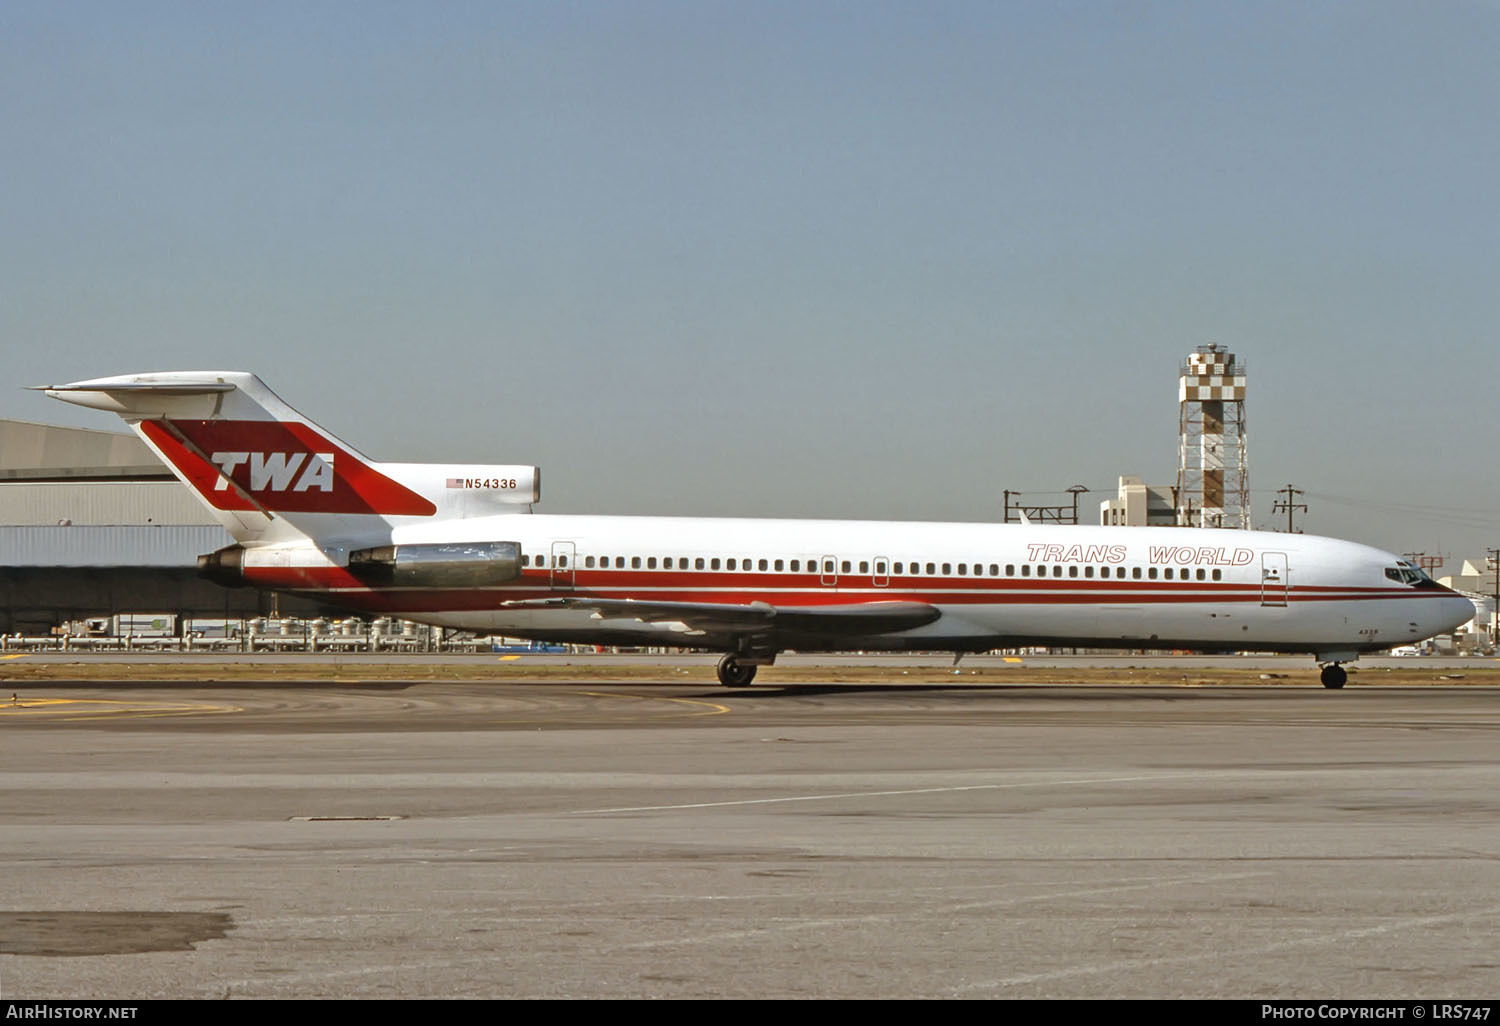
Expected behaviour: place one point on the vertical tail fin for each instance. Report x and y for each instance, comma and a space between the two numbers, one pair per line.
261, 467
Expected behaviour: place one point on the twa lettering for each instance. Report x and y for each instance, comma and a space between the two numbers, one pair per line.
1168, 555
274, 471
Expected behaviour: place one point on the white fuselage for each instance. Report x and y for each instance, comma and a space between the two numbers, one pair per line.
995, 585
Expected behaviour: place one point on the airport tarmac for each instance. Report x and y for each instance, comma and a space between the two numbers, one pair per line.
679, 840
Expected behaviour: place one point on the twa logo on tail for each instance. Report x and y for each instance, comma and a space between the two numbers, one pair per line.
275, 470
278, 467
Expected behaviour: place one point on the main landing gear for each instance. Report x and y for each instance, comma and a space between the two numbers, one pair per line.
1334, 676
735, 674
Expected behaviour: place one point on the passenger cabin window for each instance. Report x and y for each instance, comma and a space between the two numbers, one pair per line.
635, 562
698, 563
650, 562
777, 564
1151, 573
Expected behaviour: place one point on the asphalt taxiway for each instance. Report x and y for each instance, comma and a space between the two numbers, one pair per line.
588, 839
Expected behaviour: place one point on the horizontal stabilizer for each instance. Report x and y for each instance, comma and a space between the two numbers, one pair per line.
109, 385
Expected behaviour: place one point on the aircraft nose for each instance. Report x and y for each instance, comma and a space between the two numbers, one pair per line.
1454, 611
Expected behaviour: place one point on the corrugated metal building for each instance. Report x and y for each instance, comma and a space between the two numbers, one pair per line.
113, 545
92, 524
44, 451
105, 503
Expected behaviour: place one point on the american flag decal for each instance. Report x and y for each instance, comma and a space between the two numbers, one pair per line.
455, 482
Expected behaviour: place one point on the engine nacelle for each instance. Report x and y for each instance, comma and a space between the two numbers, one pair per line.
465, 490
438, 564
224, 566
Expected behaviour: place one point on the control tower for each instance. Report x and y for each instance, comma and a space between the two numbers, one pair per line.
1213, 466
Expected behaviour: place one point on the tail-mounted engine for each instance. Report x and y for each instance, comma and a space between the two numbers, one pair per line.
438, 565
432, 565
225, 566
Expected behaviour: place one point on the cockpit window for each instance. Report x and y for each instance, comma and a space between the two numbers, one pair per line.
1405, 573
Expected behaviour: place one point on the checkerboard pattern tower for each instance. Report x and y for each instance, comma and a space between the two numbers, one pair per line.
1213, 467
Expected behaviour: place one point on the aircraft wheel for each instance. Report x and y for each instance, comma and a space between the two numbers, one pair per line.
1334, 676
735, 674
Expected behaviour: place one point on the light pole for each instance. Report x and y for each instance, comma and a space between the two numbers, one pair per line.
1493, 561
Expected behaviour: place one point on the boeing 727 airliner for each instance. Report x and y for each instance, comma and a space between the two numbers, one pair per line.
457, 545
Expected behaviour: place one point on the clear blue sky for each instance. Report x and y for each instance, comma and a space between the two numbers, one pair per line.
831, 259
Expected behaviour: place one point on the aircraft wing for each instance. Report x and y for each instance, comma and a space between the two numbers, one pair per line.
712, 617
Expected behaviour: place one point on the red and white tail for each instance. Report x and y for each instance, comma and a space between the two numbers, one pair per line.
271, 475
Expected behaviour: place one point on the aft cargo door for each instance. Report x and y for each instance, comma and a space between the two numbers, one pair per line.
1273, 578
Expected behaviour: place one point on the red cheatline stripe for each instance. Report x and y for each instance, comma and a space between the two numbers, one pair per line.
640, 582
337, 581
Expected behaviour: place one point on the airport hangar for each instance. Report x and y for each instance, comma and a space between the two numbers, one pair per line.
93, 524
